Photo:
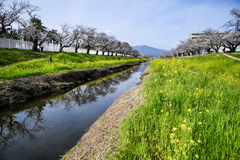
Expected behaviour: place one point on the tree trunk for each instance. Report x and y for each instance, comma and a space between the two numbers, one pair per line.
233, 49
88, 49
103, 53
60, 48
35, 43
76, 48
108, 53
97, 52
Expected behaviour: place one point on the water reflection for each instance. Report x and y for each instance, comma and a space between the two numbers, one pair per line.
27, 128
89, 93
60, 121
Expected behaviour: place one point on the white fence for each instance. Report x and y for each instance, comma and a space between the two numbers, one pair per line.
12, 43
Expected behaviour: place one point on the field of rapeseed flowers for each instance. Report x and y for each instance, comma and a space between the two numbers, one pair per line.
192, 111
61, 62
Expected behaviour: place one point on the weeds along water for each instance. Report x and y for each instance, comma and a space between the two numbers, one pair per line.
61, 62
192, 111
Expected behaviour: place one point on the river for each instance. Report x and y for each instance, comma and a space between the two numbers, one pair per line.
46, 129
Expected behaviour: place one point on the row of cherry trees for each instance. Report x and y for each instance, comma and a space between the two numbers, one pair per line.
32, 29
211, 39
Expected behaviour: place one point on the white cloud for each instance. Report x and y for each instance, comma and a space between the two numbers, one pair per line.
108, 32
177, 28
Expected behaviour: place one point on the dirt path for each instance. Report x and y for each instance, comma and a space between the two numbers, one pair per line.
231, 56
102, 136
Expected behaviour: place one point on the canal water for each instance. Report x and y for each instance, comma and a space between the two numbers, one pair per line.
47, 129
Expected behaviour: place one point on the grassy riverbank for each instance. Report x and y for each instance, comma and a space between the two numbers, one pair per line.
38, 65
13, 55
191, 111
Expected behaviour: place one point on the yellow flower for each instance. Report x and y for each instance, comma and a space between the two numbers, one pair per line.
189, 110
163, 67
172, 135
200, 123
207, 110
165, 74
197, 89
189, 128
199, 141
161, 110
197, 156
161, 91
192, 142
175, 71
200, 112
153, 109
170, 80
174, 129
183, 126
178, 60
170, 104
184, 120
155, 80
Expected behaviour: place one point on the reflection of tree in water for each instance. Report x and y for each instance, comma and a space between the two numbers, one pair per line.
89, 93
30, 126
27, 128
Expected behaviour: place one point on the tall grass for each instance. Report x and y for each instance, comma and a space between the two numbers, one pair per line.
61, 62
187, 115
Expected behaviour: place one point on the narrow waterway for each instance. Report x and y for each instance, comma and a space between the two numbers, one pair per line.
46, 129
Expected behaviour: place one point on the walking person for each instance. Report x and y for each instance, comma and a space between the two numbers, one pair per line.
50, 60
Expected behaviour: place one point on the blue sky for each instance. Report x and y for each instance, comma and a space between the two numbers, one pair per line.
156, 23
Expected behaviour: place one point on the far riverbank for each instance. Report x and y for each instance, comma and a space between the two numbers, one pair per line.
21, 89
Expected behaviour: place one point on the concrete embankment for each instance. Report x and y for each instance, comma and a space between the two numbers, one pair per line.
21, 89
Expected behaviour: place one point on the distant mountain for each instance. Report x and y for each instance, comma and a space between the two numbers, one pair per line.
150, 51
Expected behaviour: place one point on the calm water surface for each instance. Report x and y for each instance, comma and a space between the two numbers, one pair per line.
48, 128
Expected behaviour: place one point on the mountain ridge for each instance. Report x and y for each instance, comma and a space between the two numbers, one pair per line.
150, 51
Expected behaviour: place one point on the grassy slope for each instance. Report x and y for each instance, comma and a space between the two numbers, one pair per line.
13, 55
234, 54
61, 62
186, 115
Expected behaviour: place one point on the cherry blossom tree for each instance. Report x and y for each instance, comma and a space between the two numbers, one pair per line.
89, 38
11, 14
78, 33
65, 36
213, 38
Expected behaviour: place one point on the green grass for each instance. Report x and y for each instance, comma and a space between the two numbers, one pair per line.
186, 115
234, 54
61, 62
13, 55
